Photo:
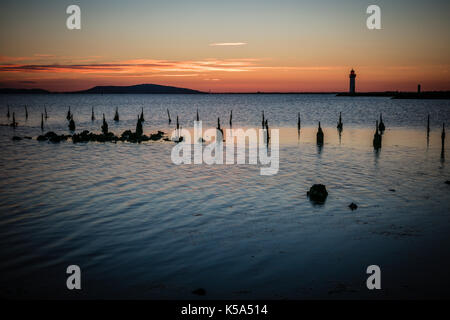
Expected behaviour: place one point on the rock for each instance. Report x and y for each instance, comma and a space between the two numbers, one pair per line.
109, 137
28, 138
392, 190
53, 137
16, 138
85, 136
126, 135
353, 206
157, 136
318, 193
447, 182
199, 292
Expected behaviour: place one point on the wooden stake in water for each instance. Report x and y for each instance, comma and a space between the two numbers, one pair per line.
42, 121
92, 114
262, 123
382, 127
104, 126
377, 138
231, 118
319, 136
142, 115
340, 125
443, 136
168, 114
71, 124
14, 123
218, 127
443, 140
139, 130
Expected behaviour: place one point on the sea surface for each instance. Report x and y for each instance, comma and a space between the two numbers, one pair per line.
142, 227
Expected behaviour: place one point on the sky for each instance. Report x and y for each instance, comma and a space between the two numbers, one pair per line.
226, 46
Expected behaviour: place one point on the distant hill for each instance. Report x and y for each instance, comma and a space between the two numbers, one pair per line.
140, 88
21, 91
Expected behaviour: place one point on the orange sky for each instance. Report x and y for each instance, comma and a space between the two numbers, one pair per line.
238, 46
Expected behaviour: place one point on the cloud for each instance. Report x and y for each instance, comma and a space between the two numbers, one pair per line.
225, 44
44, 55
138, 66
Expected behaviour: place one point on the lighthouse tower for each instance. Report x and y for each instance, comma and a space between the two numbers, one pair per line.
352, 77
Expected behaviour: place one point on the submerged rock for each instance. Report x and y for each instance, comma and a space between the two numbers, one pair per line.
318, 193
353, 206
447, 182
16, 138
157, 136
85, 136
53, 137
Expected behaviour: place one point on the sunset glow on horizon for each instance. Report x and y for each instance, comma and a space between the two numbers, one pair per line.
249, 46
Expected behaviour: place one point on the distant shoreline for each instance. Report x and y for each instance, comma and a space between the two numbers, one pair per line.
159, 89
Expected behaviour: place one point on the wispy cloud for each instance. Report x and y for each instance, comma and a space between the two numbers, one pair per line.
224, 44
143, 66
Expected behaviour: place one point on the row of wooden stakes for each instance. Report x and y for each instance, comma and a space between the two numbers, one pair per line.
377, 138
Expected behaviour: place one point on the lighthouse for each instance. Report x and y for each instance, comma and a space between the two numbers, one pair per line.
352, 77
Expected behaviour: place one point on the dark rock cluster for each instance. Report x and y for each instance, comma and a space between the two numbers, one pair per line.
53, 137
86, 136
318, 193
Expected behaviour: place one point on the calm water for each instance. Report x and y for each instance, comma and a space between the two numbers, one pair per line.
141, 227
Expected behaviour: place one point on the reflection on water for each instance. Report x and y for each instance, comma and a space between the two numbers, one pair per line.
141, 227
